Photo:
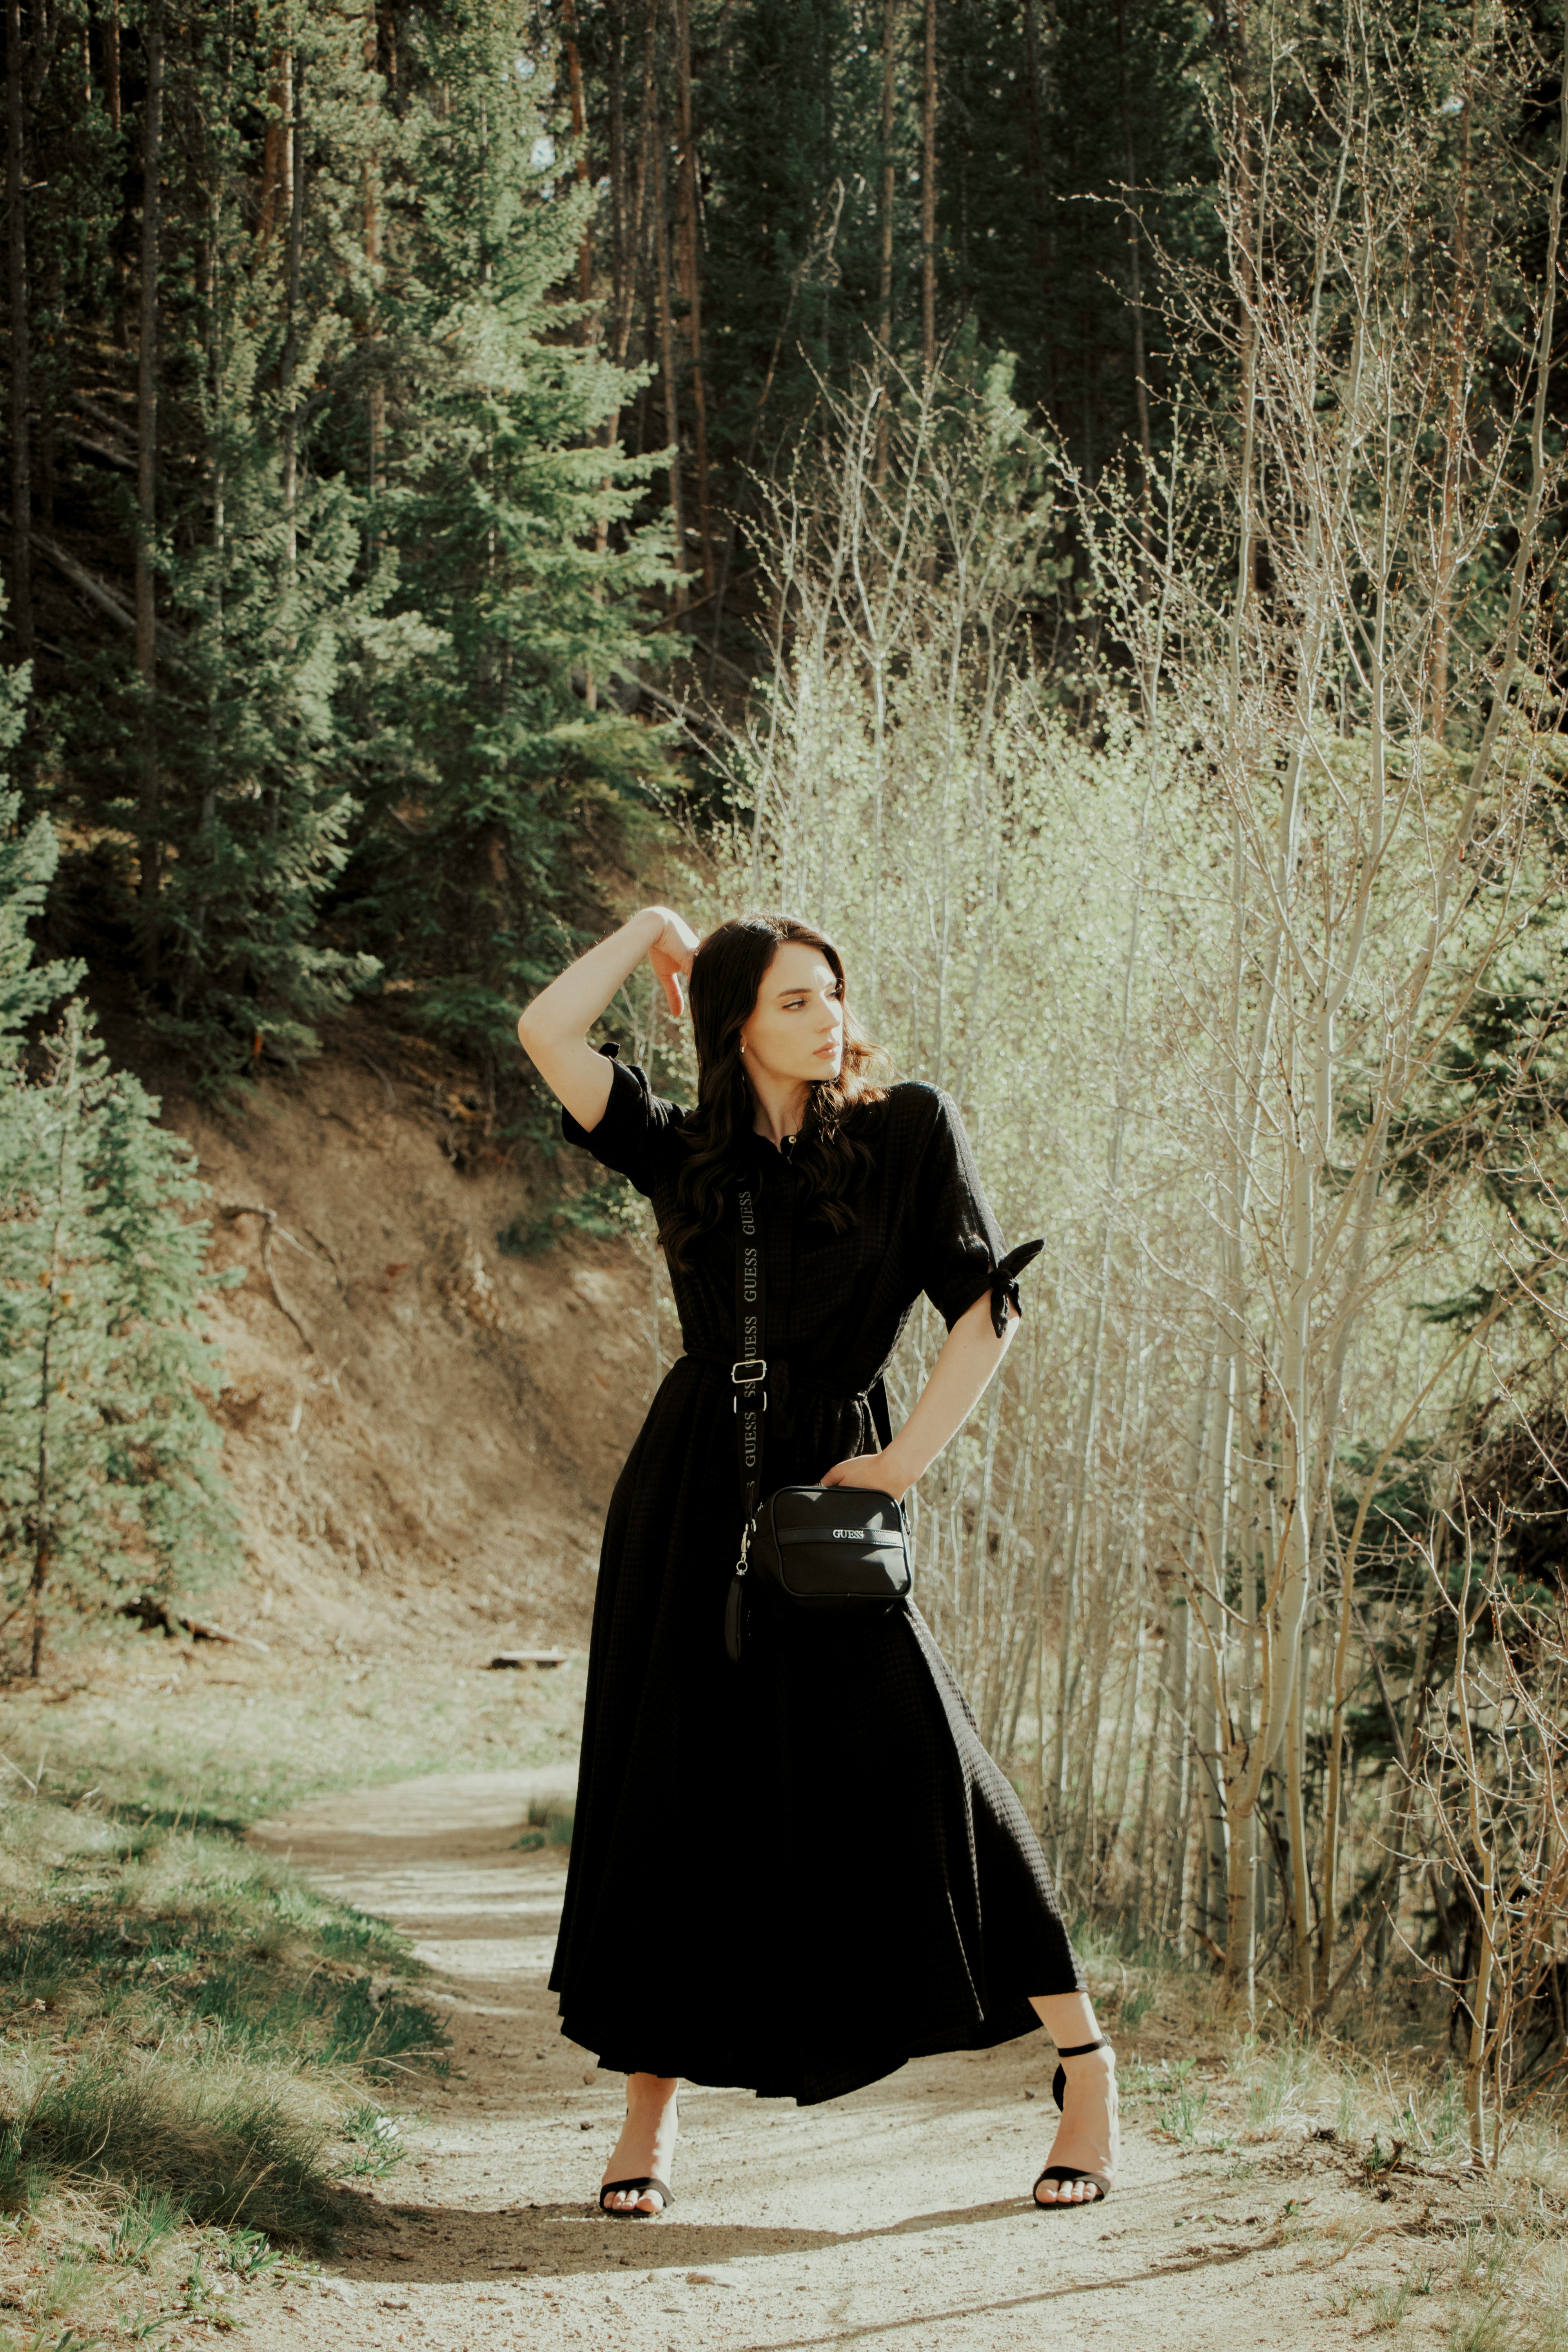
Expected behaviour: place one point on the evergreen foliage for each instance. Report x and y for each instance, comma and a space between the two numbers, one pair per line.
516, 572
792, 259
27, 863
365, 375
357, 721
109, 1483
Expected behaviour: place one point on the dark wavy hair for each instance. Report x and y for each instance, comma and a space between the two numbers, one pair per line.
830, 1155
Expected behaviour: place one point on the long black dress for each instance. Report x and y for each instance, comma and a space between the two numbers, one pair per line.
793, 1876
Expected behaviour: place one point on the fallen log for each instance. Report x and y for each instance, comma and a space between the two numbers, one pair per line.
157, 1615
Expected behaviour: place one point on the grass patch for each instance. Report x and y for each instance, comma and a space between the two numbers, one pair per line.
225, 1743
1274, 2077
1490, 2329
198, 2053
232, 2143
550, 1823
191, 2036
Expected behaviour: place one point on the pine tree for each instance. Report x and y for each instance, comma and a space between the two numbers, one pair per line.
1049, 115
384, 568
27, 862
110, 1478
268, 592
794, 228
509, 521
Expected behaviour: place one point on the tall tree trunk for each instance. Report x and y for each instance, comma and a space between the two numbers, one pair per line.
119, 268
277, 150
375, 405
290, 360
691, 272
1035, 117
43, 1524
21, 372
619, 256
1210, 1729
1483, 1849
147, 475
1135, 305
667, 365
112, 62
628, 214
1142, 1872
584, 329
1296, 1809
1453, 430
928, 194
1107, 1234
1171, 1919
885, 274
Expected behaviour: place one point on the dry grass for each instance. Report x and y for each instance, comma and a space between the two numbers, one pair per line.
194, 2050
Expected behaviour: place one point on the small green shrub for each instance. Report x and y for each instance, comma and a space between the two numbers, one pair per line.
1388, 2307
1490, 2329
599, 1211
555, 1818
376, 2139
147, 2222
1275, 2081
22, 2180
1182, 2115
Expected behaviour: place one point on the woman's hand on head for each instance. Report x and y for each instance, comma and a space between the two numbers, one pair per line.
878, 1471
671, 955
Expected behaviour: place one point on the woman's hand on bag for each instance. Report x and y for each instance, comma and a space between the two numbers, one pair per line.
878, 1471
670, 955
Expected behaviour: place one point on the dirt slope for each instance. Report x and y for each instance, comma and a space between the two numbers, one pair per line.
421, 1430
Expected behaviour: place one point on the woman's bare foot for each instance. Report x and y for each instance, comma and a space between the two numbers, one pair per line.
647, 2143
1088, 2139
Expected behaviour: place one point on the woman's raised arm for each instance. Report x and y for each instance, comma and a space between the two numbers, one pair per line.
555, 1029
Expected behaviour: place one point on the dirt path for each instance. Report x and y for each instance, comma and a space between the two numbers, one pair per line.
897, 2217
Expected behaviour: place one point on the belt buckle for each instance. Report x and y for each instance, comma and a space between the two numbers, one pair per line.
746, 1371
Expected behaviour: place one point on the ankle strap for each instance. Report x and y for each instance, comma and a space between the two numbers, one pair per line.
1083, 2049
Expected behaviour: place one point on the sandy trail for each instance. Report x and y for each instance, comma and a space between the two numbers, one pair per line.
897, 2217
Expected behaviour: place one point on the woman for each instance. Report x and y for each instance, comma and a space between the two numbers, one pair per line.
795, 1874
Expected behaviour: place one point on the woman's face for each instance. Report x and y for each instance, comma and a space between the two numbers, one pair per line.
795, 1029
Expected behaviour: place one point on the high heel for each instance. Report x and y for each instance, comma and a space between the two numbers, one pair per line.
640, 2185
1064, 2174
633, 2213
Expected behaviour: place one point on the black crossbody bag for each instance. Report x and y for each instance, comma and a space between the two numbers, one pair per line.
815, 1547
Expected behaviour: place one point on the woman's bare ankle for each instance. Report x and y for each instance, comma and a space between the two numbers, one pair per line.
650, 2094
1088, 2062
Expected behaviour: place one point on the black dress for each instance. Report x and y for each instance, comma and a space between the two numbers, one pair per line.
793, 1876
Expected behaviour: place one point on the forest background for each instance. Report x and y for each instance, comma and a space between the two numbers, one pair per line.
1069, 497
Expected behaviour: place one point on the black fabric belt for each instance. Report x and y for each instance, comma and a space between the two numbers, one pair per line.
784, 1384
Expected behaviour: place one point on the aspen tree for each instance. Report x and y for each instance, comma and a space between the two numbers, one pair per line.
21, 583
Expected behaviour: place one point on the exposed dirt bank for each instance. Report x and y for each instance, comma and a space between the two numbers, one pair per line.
421, 1429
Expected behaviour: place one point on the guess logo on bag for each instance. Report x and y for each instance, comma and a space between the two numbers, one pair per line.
847, 1535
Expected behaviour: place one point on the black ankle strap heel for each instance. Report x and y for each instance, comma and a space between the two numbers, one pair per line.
1064, 2174
1059, 2081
